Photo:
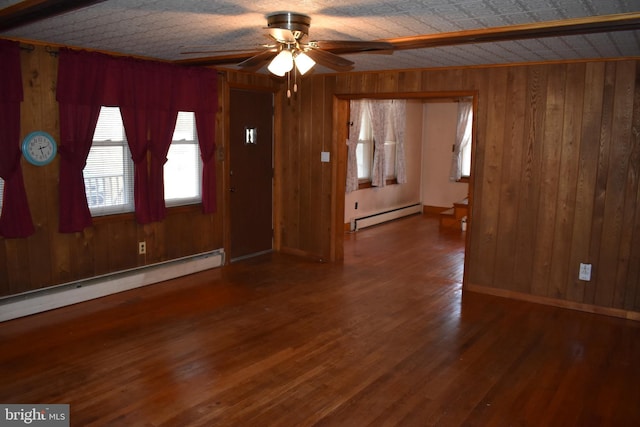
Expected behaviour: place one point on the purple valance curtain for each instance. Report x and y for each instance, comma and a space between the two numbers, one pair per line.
149, 95
15, 221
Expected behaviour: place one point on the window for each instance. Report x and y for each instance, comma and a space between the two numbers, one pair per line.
366, 149
108, 174
183, 169
109, 177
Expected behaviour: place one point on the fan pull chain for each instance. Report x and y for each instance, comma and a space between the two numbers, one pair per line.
295, 83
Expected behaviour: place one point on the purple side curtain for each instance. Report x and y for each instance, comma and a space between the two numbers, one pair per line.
81, 85
15, 221
161, 125
205, 113
205, 123
135, 126
149, 177
162, 114
134, 119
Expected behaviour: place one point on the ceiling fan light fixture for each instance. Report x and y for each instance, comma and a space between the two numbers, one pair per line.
303, 62
282, 63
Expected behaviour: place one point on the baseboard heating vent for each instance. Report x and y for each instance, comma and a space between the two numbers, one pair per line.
65, 294
385, 216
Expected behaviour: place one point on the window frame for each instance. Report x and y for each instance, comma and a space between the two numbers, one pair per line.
172, 204
366, 129
128, 170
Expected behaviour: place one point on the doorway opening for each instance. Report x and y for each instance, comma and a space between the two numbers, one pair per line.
381, 199
434, 156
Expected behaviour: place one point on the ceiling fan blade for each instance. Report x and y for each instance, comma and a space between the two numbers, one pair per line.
329, 59
226, 59
352, 46
258, 61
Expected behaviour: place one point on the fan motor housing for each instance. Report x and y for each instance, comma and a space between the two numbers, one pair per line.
294, 22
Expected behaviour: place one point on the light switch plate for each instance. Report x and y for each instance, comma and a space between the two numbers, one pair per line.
325, 157
585, 272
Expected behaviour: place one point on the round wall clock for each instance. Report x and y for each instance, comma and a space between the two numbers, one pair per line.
39, 148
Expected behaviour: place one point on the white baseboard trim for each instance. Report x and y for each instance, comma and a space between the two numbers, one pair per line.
28, 303
379, 218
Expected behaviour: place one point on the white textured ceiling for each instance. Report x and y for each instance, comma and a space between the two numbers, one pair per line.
163, 29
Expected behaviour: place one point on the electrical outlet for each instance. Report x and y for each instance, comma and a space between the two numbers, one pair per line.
142, 248
585, 272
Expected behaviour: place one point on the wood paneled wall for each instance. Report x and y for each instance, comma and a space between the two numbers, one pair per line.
555, 181
555, 174
306, 193
48, 257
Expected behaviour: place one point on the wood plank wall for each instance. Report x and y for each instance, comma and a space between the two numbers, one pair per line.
556, 164
306, 191
49, 258
555, 175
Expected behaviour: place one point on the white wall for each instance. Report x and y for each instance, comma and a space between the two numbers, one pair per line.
374, 200
440, 120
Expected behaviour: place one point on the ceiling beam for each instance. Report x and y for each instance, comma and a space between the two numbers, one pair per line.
568, 27
26, 12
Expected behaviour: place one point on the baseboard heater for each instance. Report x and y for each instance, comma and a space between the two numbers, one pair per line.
32, 302
378, 218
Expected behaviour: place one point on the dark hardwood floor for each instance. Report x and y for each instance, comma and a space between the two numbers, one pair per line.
384, 339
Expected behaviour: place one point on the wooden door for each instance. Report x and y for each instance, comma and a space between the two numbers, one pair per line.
251, 172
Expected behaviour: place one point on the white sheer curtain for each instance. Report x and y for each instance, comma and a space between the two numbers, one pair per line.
399, 116
356, 108
383, 114
377, 111
463, 138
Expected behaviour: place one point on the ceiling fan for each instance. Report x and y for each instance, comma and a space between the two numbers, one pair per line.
290, 50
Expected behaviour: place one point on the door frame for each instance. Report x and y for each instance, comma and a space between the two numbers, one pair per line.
341, 133
226, 164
